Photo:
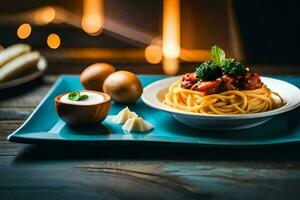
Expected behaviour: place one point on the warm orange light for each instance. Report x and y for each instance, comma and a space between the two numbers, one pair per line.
93, 16
171, 28
53, 41
194, 55
44, 15
24, 31
170, 65
153, 54
1, 47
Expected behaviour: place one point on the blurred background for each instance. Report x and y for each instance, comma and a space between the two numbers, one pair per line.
155, 36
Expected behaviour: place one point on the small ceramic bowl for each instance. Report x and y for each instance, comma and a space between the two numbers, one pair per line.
77, 114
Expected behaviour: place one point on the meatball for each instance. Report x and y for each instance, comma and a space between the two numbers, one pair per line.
188, 80
252, 82
228, 83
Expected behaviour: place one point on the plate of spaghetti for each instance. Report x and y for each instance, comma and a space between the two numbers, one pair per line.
222, 94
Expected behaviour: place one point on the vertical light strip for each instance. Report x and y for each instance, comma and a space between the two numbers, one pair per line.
93, 16
170, 65
171, 34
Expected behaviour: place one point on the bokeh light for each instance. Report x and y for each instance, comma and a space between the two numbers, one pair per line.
90, 24
44, 15
24, 31
153, 54
93, 17
53, 41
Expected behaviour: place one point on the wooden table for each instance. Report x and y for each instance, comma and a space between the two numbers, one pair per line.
139, 172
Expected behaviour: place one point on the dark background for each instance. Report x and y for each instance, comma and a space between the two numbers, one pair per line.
269, 30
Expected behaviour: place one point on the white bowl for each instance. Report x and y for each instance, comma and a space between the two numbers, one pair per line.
154, 94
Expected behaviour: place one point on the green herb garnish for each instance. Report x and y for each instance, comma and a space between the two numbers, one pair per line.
233, 68
208, 71
75, 96
83, 97
217, 55
219, 65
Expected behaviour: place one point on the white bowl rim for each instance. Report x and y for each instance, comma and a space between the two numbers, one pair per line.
157, 86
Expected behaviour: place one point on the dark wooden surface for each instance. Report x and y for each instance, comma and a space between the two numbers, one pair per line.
137, 172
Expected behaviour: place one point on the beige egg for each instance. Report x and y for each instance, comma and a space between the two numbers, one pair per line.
123, 87
93, 76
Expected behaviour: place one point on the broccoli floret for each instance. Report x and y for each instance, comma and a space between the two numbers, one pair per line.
233, 68
208, 70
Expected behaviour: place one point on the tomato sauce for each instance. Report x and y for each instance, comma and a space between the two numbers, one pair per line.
250, 81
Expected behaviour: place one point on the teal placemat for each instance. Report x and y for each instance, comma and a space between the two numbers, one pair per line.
44, 125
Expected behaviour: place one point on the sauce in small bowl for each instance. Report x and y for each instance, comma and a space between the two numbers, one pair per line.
89, 110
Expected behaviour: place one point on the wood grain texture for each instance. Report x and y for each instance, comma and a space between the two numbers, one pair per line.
142, 179
137, 172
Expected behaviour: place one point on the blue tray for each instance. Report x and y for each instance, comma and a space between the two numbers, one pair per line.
44, 125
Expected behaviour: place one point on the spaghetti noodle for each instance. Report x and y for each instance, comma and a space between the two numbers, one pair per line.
225, 103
